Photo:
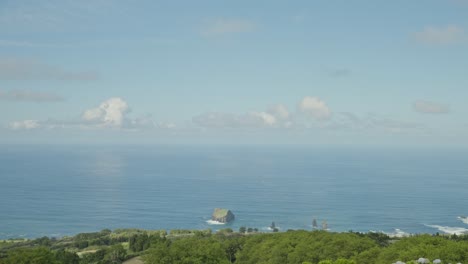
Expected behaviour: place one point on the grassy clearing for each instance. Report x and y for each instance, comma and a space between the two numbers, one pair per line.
136, 260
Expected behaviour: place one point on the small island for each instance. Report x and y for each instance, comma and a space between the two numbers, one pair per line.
222, 215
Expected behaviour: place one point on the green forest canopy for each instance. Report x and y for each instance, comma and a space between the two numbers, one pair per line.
205, 247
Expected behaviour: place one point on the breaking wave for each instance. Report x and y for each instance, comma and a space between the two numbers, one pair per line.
213, 222
396, 233
450, 230
464, 219
271, 229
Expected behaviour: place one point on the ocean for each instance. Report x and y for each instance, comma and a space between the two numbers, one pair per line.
64, 190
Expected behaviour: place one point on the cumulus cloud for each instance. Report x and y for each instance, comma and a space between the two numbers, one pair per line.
112, 113
24, 125
264, 118
27, 69
226, 26
441, 35
427, 107
109, 113
29, 96
314, 108
280, 112
278, 117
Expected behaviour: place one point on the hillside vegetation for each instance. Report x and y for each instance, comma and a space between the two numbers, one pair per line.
226, 246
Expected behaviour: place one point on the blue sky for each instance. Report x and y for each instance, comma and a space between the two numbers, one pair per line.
302, 72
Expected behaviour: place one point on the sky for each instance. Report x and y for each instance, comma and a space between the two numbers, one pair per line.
234, 72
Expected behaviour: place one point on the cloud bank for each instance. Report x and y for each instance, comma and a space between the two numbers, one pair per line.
112, 113
312, 114
24, 125
276, 116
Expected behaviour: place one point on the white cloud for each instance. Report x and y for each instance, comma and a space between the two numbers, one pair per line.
29, 96
264, 118
112, 113
27, 69
444, 35
109, 113
280, 111
277, 116
24, 125
225, 26
428, 107
314, 108
234, 121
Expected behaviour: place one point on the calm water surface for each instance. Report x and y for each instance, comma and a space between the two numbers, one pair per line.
63, 190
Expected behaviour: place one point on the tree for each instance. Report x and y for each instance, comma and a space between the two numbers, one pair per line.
115, 254
206, 250
65, 257
232, 246
43, 241
139, 243
40, 255
225, 231
242, 229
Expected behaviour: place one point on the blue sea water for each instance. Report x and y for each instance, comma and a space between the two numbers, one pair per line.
64, 190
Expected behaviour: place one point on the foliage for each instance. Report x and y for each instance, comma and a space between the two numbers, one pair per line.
66, 257
225, 231
143, 241
227, 246
40, 255
191, 250
302, 246
116, 254
427, 246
